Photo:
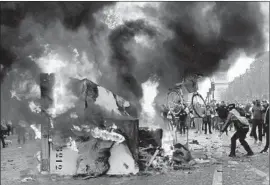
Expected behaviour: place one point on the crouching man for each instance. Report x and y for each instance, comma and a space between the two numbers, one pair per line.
241, 126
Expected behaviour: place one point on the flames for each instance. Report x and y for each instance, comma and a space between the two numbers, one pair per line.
147, 102
24, 87
37, 131
64, 67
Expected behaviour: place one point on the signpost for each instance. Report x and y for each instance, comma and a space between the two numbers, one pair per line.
46, 89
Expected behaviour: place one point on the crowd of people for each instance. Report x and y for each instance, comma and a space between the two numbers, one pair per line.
251, 117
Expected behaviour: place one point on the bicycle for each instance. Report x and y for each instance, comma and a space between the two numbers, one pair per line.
175, 96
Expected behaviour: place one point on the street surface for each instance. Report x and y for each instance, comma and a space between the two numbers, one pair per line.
18, 162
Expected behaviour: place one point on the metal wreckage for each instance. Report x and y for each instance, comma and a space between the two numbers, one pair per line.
100, 136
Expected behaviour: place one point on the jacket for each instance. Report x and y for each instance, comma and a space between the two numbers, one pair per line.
222, 112
240, 122
257, 112
182, 115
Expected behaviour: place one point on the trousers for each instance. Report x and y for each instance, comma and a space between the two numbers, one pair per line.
257, 123
241, 135
207, 122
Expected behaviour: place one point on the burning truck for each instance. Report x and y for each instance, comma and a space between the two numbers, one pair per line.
98, 135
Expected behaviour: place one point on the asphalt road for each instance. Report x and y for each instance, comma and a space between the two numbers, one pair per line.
18, 162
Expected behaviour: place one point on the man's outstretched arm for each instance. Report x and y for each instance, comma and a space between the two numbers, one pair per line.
227, 122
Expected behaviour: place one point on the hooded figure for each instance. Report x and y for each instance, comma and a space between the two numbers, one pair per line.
241, 126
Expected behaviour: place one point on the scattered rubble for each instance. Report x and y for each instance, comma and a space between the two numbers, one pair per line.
27, 179
232, 162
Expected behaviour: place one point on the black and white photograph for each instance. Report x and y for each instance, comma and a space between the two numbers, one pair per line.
134, 92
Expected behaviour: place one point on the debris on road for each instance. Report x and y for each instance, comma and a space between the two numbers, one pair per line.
232, 162
27, 179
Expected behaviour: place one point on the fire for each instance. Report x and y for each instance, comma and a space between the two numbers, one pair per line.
37, 131
149, 94
34, 108
64, 67
24, 87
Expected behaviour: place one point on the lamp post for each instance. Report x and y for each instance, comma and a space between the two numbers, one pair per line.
46, 88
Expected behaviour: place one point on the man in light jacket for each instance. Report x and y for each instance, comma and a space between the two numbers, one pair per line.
241, 126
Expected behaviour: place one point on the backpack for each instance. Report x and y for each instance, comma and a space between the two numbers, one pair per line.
222, 112
241, 111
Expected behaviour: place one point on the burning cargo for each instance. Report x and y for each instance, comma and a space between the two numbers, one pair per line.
97, 135
88, 138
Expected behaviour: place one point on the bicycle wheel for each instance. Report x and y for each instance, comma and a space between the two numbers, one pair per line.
174, 99
198, 104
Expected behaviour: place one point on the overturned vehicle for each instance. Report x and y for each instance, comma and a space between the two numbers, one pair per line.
99, 135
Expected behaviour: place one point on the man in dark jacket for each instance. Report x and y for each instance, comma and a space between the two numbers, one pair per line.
182, 120
241, 126
222, 113
266, 127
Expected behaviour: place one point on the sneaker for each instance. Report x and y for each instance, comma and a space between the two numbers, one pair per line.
232, 155
249, 154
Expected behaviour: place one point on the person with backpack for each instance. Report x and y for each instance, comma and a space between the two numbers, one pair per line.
257, 112
241, 126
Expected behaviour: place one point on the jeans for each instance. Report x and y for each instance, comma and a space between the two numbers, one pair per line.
241, 135
182, 127
257, 123
198, 124
207, 122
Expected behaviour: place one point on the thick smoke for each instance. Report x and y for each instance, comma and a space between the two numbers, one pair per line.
26, 28
170, 40
206, 34
72, 15
122, 59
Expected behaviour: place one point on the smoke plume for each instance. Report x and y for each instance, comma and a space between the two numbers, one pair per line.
205, 35
129, 45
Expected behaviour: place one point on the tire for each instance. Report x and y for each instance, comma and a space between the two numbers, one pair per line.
195, 96
172, 98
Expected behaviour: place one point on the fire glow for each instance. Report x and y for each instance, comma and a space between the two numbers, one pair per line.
149, 94
64, 67
37, 131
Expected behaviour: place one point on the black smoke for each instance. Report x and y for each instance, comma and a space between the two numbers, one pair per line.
204, 36
201, 42
122, 59
23, 24
71, 14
